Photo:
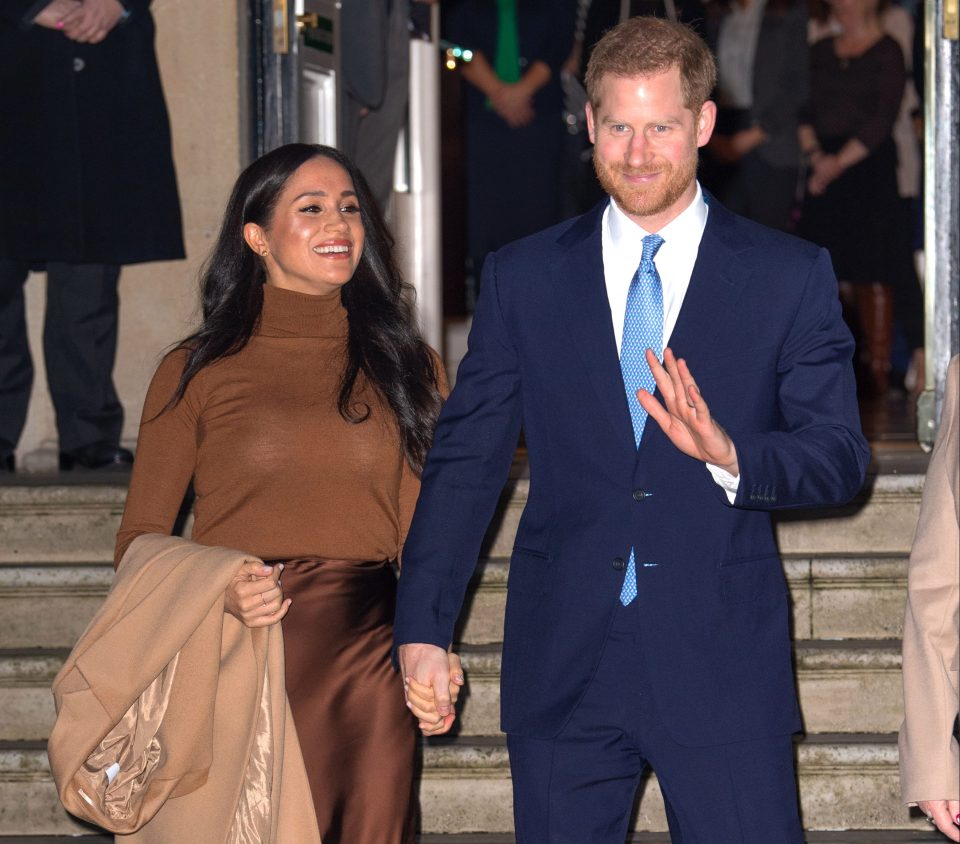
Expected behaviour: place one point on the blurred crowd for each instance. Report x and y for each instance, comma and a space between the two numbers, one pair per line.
818, 134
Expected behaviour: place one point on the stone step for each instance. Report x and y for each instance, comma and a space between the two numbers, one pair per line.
853, 836
53, 521
849, 686
845, 687
836, 681
846, 837
846, 782
833, 597
50, 605
26, 702
59, 522
880, 520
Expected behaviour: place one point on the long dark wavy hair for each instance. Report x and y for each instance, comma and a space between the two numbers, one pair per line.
383, 341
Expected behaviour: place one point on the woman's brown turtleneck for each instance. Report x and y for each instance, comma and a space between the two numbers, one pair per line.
277, 471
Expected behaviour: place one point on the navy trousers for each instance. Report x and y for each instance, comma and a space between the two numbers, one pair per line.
79, 347
580, 787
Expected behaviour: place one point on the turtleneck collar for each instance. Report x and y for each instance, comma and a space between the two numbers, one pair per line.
287, 313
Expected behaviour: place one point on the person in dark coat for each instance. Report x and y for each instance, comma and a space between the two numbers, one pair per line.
87, 185
514, 115
753, 158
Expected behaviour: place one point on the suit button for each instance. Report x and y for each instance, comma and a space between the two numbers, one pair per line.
619, 564
639, 495
78, 64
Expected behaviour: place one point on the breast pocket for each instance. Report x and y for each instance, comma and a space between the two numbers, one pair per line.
736, 363
529, 572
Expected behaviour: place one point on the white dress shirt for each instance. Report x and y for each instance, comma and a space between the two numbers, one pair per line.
622, 245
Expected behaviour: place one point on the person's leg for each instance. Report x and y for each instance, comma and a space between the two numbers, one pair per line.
358, 740
16, 368
741, 793
377, 132
80, 344
875, 314
581, 785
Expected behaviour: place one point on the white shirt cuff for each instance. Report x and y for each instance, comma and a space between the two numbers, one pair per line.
729, 483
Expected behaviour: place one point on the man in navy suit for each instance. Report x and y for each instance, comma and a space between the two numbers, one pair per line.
647, 610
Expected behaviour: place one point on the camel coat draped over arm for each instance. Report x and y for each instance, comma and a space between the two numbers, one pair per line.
172, 717
929, 757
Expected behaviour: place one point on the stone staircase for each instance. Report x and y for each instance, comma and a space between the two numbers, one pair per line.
847, 575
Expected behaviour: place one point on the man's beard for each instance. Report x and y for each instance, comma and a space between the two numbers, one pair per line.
649, 200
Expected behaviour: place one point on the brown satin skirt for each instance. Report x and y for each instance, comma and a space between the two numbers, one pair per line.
357, 737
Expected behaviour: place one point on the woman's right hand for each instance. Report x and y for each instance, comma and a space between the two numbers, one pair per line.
255, 596
945, 815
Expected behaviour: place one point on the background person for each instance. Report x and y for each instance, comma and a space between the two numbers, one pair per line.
907, 368
852, 207
753, 158
302, 409
87, 185
929, 754
514, 116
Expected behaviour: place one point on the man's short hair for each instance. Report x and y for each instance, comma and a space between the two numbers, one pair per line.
646, 46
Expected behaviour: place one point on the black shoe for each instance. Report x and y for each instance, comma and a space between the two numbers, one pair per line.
101, 456
7, 463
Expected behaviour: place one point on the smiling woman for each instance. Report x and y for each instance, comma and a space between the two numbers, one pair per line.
315, 237
302, 409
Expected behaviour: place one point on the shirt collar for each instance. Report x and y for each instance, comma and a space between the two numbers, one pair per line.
686, 227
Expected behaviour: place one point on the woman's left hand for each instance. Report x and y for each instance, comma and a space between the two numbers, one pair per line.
420, 700
92, 21
945, 814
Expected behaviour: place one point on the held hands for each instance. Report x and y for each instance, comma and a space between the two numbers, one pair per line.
255, 596
684, 415
945, 814
432, 679
88, 22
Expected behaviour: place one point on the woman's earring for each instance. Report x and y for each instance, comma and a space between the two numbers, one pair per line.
264, 252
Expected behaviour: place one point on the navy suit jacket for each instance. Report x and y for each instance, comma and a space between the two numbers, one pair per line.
762, 332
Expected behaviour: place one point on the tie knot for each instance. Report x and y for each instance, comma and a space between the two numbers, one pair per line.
651, 243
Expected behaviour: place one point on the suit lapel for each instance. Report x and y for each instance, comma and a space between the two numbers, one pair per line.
586, 310
718, 277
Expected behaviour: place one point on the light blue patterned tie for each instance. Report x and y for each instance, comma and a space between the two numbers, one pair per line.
642, 330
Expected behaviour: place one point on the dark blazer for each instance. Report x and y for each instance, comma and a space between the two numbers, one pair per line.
87, 172
762, 332
780, 78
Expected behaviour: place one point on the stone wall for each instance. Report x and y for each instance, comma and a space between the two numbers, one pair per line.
198, 48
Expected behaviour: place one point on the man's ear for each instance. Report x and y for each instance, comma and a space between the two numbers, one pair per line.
591, 133
256, 238
706, 120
